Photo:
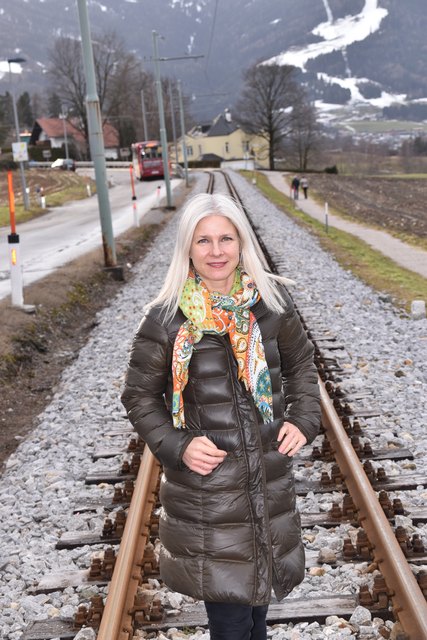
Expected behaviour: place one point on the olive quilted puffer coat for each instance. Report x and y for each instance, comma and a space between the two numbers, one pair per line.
234, 534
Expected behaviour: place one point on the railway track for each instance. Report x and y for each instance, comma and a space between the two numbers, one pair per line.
344, 464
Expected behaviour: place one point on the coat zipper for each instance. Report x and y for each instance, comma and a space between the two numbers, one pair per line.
231, 362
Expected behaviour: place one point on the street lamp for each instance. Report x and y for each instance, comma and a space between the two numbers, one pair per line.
10, 61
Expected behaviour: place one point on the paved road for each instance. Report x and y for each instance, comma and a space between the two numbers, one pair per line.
403, 254
67, 232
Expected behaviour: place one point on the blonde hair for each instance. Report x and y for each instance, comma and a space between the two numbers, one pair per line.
252, 259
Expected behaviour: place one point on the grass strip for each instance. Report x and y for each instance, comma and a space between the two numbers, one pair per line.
371, 266
65, 190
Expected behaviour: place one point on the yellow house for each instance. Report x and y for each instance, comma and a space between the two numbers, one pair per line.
224, 141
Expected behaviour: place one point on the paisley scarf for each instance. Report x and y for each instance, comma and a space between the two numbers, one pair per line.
216, 313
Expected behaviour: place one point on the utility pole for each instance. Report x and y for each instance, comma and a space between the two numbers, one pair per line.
163, 138
63, 117
18, 138
173, 121
144, 117
160, 101
184, 146
96, 139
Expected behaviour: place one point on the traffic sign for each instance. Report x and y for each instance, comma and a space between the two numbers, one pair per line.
20, 151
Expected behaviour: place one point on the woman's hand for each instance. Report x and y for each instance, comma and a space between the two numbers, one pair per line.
291, 439
202, 455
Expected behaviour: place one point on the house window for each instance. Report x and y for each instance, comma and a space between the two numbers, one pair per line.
245, 145
227, 147
189, 151
200, 150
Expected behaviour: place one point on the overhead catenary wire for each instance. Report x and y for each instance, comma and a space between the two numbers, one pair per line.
211, 34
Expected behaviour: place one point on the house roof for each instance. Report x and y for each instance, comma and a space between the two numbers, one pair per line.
222, 126
54, 128
210, 157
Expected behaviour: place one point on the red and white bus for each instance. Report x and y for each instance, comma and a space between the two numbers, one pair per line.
147, 159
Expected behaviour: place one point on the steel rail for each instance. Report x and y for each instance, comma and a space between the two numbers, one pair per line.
410, 607
409, 604
116, 619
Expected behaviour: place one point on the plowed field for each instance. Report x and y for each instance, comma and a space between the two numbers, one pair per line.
395, 204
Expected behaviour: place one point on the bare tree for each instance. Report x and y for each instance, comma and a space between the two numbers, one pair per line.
37, 104
67, 75
117, 73
304, 138
268, 103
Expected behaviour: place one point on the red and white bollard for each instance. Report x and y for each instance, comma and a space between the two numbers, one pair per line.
14, 250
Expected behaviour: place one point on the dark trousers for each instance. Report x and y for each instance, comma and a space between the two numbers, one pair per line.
229, 621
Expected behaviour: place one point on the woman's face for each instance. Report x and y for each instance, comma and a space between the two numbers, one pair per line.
214, 250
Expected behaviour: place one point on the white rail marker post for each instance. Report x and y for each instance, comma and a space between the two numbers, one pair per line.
135, 209
326, 217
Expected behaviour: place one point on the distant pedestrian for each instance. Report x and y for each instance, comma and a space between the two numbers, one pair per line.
304, 186
295, 187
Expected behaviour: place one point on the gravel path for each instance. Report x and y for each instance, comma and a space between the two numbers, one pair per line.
384, 352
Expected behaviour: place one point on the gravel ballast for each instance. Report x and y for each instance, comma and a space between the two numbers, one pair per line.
384, 355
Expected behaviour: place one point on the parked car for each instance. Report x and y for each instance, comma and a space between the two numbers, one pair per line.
64, 164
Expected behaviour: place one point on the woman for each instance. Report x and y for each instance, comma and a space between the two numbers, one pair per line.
221, 386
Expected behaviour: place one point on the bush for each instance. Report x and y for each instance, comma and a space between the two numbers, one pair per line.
333, 169
7, 163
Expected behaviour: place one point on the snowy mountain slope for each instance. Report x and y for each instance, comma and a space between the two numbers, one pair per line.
347, 49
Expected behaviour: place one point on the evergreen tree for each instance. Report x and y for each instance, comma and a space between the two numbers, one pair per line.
54, 105
25, 114
4, 124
